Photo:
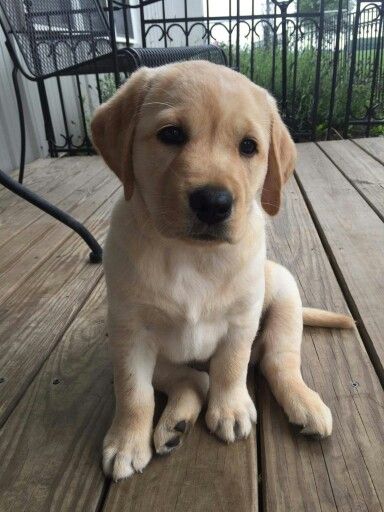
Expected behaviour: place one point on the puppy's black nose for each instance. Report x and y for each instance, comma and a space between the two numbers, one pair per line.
211, 204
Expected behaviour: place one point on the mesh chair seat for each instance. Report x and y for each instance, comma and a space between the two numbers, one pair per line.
153, 57
130, 59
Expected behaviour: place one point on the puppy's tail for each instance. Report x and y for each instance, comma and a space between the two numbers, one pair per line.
320, 318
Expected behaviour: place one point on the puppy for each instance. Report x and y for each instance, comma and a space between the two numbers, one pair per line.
202, 153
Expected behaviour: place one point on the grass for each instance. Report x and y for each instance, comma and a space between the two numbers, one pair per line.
301, 95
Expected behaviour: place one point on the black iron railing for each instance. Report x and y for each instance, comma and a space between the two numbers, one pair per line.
325, 68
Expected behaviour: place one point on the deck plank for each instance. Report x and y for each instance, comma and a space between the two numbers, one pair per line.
51, 442
60, 422
342, 472
36, 173
23, 254
41, 176
372, 145
362, 170
35, 316
65, 176
354, 236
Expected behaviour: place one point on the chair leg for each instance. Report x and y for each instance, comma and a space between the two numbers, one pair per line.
49, 132
22, 124
22, 191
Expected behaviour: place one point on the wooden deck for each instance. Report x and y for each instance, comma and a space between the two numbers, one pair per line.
56, 397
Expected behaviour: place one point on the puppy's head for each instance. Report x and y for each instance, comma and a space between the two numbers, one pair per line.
201, 144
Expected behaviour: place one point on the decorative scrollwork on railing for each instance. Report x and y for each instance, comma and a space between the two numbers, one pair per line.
59, 54
154, 26
260, 56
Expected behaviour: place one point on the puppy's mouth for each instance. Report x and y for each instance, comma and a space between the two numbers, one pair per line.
205, 236
203, 233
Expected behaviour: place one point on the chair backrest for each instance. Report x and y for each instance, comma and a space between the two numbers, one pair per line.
153, 57
53, 35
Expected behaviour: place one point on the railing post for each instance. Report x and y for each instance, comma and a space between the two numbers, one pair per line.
164, 24
315, 106
376, 65
238, 35
352, 69
186, 22
113, 42
208, 28
273, 77
142, 25
335, 68
283, 6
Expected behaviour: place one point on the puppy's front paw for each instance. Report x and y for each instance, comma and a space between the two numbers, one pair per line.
179, 416
306, 408
230, 415
125, 451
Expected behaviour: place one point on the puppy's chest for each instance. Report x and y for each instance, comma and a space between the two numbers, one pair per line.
189, 318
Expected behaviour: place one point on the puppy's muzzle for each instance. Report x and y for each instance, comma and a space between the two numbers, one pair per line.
211, 205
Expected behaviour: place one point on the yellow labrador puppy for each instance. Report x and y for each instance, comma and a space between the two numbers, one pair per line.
201, 152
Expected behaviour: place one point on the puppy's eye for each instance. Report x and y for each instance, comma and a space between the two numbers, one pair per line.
172, 135
248, 147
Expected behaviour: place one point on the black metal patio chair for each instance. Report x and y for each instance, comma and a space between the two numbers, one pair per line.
50, 38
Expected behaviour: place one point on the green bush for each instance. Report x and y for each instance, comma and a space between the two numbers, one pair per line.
301, 97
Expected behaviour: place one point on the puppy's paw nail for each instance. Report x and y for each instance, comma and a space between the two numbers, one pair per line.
181, 426
125, 453
309, 411
231, 419
167, 438
173, 442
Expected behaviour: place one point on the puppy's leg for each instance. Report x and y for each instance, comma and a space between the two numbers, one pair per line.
186, 389
127, 445
231, 410
280, 354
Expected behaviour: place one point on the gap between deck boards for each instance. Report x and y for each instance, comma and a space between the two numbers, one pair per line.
338, 272
354, 185
106, 486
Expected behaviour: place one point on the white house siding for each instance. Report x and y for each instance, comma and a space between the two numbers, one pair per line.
173, 9
35, 133
9, 120
36, 141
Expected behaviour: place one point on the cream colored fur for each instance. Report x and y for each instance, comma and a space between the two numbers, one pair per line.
172, 300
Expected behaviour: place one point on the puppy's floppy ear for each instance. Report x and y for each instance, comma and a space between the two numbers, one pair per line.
113, 127
281, 161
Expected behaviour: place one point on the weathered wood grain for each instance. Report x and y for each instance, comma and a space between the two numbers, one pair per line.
65, 176
58, 382
34, 317
344, 471
363, 171
354, 236
372, 145
51, 444
40, 175
23, 254
21, 228
35, 172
